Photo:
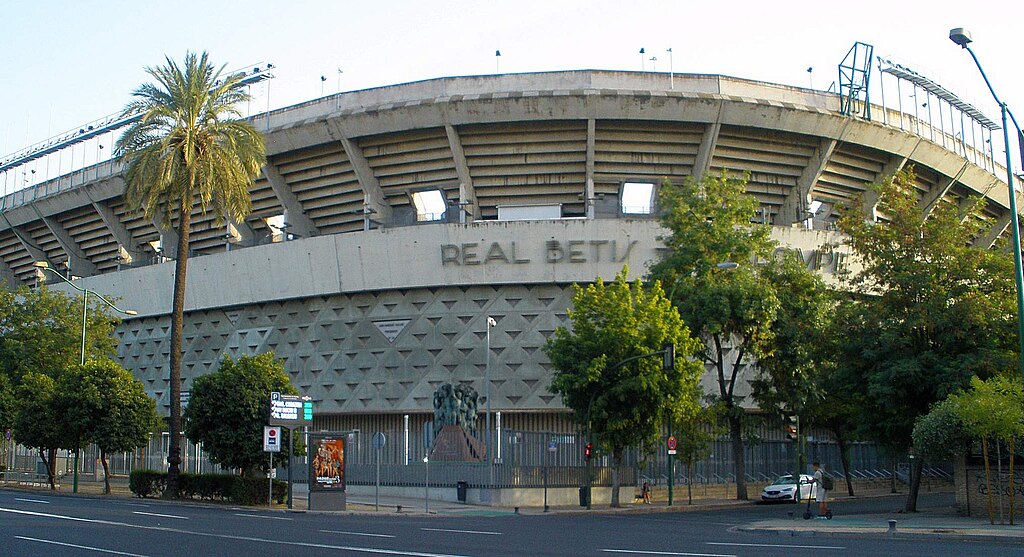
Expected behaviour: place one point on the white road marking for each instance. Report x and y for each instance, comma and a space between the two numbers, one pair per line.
367, 534
461, 531
32, 500
355, 549
639, 552
161, 515
777, 545
100, 550
264, 517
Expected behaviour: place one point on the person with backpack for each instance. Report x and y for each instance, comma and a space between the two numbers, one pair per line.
825, 484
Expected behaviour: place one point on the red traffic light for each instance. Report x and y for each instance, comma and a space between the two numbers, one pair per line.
588, 451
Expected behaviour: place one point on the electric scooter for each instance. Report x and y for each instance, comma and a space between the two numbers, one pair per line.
807, 512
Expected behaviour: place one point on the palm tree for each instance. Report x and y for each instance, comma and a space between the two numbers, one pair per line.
188, 146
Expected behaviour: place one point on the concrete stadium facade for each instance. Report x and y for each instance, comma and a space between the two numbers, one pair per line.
372, 304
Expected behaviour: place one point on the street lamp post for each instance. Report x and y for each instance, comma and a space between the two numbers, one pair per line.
487, 395
42, 266
962, 37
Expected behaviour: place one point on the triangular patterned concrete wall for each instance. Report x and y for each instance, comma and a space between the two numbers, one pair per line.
335, 353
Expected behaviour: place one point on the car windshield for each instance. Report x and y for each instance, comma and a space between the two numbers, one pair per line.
782, 480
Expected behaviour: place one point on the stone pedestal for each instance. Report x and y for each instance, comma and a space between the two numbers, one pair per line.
327, 500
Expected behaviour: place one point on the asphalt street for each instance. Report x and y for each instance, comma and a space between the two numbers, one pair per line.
43, 524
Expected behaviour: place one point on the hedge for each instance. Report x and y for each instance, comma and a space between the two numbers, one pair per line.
210, 487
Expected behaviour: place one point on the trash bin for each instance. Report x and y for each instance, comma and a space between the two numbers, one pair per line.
584, 496
460, 491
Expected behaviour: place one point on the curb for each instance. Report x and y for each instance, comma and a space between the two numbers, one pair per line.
958, 535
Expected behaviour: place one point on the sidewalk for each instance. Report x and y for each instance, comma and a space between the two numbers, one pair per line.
932, 523
365, 503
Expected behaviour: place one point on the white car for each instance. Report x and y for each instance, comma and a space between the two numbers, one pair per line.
783, 489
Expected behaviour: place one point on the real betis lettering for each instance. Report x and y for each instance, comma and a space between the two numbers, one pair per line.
553, 251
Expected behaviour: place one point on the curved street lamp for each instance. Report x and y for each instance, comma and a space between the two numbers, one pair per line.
42, 266
962, 37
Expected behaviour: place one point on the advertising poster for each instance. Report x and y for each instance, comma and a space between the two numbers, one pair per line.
327, 465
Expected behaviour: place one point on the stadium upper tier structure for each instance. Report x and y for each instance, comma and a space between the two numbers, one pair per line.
389, 224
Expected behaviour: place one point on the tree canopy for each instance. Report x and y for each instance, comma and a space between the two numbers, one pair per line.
935, 311
36, 422
607, 370
190, 145
41, 332
793, 361
229, 407
102, 403
711, 222
7, 407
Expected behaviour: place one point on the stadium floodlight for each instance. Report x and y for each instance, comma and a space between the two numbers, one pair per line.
962, 37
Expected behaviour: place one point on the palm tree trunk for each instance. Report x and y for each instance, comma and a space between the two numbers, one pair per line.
177, 316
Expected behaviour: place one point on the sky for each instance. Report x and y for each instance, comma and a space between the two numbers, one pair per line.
66, 63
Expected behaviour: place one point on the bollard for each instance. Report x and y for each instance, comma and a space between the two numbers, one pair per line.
398, 508
892, 527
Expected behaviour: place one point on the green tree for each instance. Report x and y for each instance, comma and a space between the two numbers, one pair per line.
229, 407
6, 403
36, 423
107, 406
189, 146
937, 312
695, 433
41, 332
941, 435
796, 364
601, 372
710, 222
994, 409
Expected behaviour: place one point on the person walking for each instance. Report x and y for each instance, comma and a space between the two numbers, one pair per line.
646, 492
822, 493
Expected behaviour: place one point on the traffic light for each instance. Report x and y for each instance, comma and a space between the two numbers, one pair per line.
588, 451
792, 427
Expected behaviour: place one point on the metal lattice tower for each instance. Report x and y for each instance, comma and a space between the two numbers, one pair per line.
854, 77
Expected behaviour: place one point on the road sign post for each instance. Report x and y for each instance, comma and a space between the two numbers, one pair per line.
271, 444
291, 412
379, 440
552, 449
671, 461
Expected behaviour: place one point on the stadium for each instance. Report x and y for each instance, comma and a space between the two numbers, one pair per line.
408, 236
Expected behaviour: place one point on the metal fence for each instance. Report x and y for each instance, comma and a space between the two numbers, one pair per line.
25, 460
522, 459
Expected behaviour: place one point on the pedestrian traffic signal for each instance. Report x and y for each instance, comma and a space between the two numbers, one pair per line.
588, 451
